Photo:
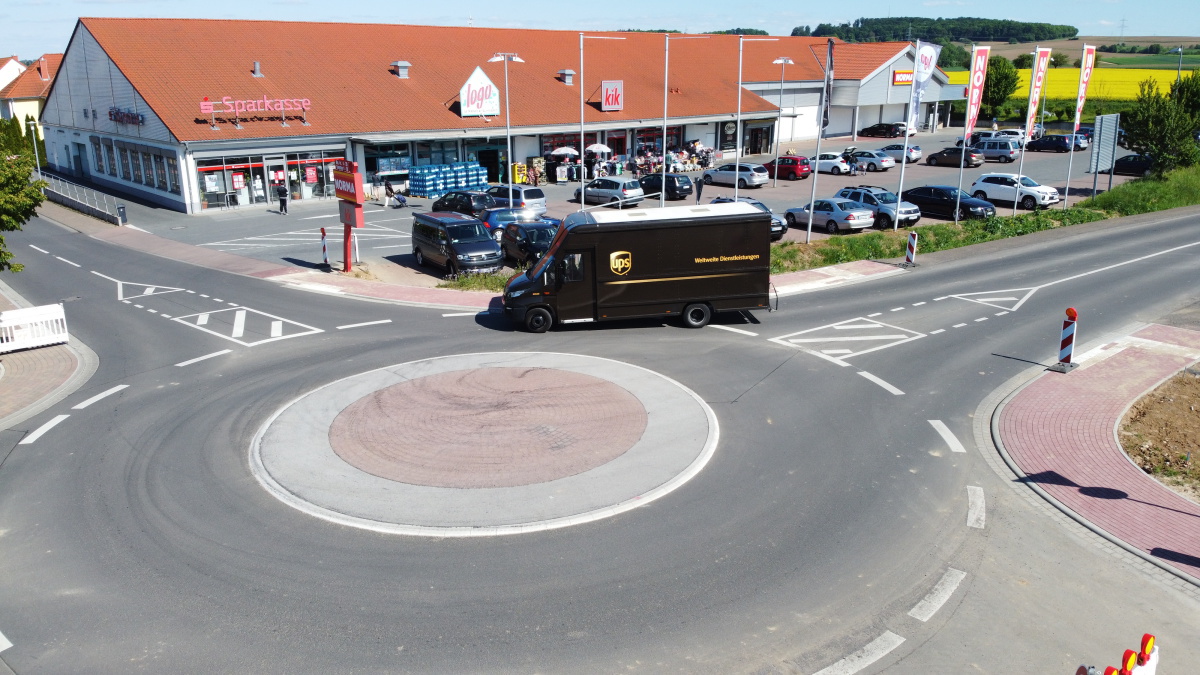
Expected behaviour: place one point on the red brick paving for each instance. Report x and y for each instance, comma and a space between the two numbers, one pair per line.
31, 374
1060, 431
489, 427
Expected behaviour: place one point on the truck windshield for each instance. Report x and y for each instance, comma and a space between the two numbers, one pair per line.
467, 233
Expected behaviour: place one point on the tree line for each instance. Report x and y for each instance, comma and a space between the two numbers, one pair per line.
963, 29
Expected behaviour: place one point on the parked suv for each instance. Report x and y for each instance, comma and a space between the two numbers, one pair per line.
468, 203
679, 186
519, 197
1011, 187
454, 241
778, 226
999, 149
619, 192
1049, 144
884, 204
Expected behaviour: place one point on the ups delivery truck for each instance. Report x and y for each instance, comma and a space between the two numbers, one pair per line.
685, 261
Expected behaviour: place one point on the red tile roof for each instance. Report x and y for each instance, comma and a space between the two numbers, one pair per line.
344, 70
858, 60
30, 84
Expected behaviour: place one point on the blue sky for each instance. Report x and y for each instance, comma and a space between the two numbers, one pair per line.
29, 28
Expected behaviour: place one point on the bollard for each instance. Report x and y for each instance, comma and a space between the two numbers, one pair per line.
324, 250
1066, 344
910, 255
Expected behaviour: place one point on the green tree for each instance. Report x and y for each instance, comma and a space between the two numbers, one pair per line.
1001, 82
739, 31
1059, 59
1160, 126
1187, 92
1023, 62
19, 199
953, 56
802, 31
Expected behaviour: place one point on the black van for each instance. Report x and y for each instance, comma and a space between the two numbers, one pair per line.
679, 186
457, 242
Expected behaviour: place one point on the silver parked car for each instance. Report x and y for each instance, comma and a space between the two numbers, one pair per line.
519, 197
778, 226
874, 160
896, 152
832, 215
884, 204
618, 192
742, 175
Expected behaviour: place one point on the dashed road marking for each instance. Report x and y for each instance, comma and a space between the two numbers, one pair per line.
881, 383
165, 316
42, 429
947, 435
941, 298
97, 397
982, 318
731, 329
201, 358
875, 650
139, 307
935, 332
941, 592
918, 304
152, 311
365, 323
958, 325
869, 316
66, 261
861, 334
976, 507
39, 249
1000, 313
896, 309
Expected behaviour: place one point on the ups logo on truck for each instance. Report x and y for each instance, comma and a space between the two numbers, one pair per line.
620, 262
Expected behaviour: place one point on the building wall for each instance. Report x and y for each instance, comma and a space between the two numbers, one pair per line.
19, 108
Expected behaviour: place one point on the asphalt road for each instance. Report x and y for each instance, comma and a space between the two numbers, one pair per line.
135, 538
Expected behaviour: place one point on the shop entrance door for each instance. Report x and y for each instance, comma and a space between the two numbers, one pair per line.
490, 160
276, 168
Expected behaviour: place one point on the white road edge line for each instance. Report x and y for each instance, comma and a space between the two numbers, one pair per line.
976, 507
201, 358
945, 588
464, 313
42, 429
731, 329
881, 383
367, 323
42, 250
875, 650
947, 435
66, 261
99, 396
4, 643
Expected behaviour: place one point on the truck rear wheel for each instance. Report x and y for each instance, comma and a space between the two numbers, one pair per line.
538, 320
696, 315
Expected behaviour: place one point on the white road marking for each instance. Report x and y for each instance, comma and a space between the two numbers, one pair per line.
42, 429
376, 248
365, 323
947, 435
935, 332
332, 215
203, 295
135, 227
896, 309
232, 304
462, 314
881, 383
165, 316
66, 261
996, 299
239, 324
149, 290
139, 306
39, 249
4, 643
215, 299
918, 304
848, 338
1009, 299
192, 292
835, 351
731, 329
875, 650
99, 396
958, 325
941, 298
976, 507
201, 358
982, 318
874, 315
1000, 313
806, 340
945, 588
276, 328
1127, 262
152, 311
128, 302
202, 320
859, 326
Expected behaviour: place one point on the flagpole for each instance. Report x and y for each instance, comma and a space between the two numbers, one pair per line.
816, 164
908, 119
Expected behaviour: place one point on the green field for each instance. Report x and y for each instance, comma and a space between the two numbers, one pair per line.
1158, 61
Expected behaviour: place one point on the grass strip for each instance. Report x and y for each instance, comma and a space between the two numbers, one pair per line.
492, 282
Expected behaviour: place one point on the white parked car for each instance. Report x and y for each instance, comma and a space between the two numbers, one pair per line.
829, 162
896, 152
874, 160
1012, 135
742, 175
1011, 187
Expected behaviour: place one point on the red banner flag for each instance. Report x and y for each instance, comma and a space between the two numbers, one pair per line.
979, 60
1037, 84
1086, 64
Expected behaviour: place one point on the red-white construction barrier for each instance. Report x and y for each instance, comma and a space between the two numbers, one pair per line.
324, 250
1066, 345
1143, 662
910, 257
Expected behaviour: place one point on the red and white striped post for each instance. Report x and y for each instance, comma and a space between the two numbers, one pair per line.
1066, 344
324, 250
910, 256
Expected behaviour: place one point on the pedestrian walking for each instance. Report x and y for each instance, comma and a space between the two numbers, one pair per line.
853, 161
388, 191
699, 189
282, 192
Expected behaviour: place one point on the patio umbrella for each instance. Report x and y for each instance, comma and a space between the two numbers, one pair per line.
598, 148
564, 151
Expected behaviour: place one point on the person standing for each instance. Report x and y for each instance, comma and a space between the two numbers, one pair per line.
282, 192
699, 189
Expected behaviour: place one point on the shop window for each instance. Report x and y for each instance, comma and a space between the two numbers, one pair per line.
97, 155
160, 172
173, 173
438, 152
110, 160
147, 170
135, 163
124, 154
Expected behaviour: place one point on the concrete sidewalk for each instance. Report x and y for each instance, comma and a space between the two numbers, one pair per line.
1059, 434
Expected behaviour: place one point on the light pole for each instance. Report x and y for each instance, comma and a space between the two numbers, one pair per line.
32, 126
662, 191
506, 57
582, 95
737, 166
783, 62
1179, 69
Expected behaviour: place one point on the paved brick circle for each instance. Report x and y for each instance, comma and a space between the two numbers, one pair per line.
488, 427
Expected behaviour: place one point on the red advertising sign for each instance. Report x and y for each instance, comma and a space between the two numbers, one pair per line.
1086, 64
1037, 84
264, 104
310, 174
345, 166
613, 92
979, 59
351, 214
239, 181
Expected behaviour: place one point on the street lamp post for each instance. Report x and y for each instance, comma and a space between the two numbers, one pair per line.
737, 166
506, 57
582, 96
783, 62
1179, 68
32, 126
662, 191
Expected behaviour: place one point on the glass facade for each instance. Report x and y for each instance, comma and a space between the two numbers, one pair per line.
137, 164
436, 152
230, 182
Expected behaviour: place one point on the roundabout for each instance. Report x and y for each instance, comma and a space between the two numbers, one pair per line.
484, 444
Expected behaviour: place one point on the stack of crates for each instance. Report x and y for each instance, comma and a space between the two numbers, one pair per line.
434, 180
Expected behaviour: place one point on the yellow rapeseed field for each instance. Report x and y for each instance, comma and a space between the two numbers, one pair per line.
1107, 83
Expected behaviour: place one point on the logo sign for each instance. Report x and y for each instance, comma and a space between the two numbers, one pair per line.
126, 116
1086, 65
614, 95
479, 97
1037, 83
620, 262
979, 59
900, 77
351, 214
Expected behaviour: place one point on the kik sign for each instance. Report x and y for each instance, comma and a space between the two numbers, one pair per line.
479, 97
613, 92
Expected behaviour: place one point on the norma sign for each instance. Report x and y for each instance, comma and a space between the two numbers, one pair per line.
900, 77
479, 97
613, 92
348, 182
979, 60
1037, 81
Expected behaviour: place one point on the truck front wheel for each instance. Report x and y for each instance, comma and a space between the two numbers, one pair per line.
538, 320
696, 315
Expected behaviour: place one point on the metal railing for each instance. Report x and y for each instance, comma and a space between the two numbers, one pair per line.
84, 199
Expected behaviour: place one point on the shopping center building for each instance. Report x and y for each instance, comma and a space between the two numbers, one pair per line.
201, 114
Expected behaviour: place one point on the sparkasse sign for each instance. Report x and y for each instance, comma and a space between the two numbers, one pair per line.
613, 92
479, 97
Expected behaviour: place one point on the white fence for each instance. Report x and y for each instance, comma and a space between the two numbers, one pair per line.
83, 199
32, 327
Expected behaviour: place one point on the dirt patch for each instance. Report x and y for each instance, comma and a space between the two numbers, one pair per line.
1161, 433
